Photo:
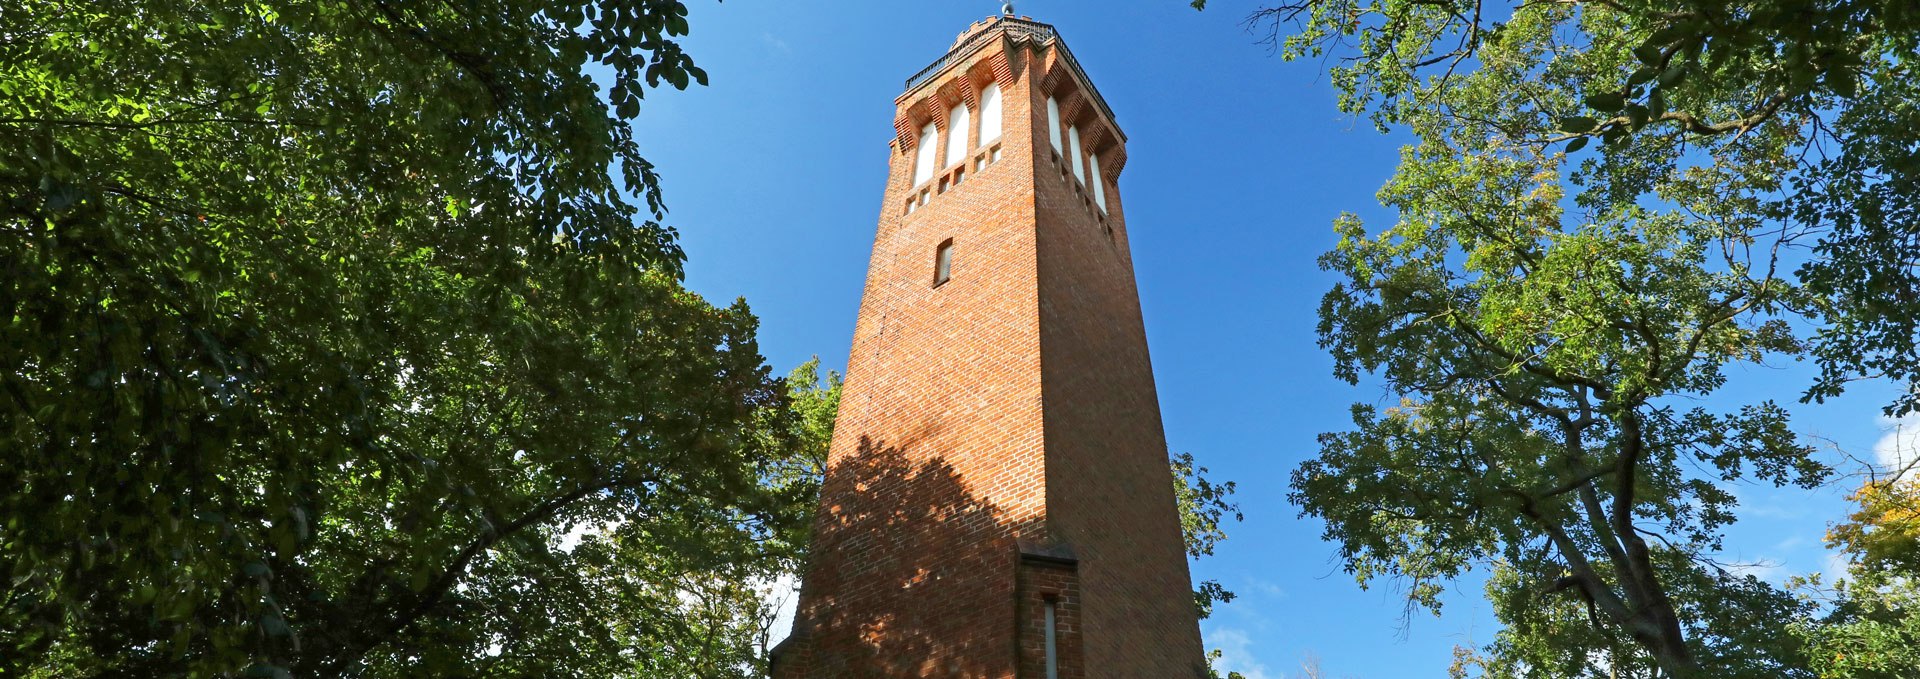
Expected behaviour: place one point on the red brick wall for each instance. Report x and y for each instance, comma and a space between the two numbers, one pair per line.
1109, 485
1011, 405
1043, 582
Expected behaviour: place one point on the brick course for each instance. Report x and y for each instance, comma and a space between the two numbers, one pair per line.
992, 423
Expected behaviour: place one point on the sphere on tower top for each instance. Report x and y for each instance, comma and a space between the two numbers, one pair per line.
1007, 9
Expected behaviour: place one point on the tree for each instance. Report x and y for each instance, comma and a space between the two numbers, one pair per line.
1544, 319
1204, 505
1665, 85
1540, 364
327, 326
815, 402
1871, 630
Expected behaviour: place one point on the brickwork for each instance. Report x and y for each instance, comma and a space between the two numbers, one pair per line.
1045, 583
1008, 410
1110, 489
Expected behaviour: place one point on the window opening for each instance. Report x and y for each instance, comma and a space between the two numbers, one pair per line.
923, 161
1053, 124
1053, 644
943, 263
957, 129
1099, 182
990, 115
1073, 155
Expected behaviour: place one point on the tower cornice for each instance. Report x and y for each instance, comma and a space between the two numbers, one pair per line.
1020, 30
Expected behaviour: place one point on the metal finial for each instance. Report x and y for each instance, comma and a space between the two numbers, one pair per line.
1007, 9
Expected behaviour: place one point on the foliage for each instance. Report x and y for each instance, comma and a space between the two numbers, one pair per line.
329, 326
1203, 505
1883, 535
1872, 630
1213, 658
1544, 314
1664, 85
1539, 362
814, 401
1744, 620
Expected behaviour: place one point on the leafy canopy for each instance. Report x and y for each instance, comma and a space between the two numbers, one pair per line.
330, 327
1610, 203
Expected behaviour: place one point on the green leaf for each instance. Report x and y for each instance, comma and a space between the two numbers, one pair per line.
1606, 101
1577, 144
1674, 74
1578, 124
1649, 54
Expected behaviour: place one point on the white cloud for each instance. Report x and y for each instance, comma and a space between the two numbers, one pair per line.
777, 44
1236, 653
1899, 446
1836, 568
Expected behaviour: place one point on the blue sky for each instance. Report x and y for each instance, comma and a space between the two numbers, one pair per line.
1238, 163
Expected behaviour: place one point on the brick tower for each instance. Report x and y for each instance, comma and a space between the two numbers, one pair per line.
998, 502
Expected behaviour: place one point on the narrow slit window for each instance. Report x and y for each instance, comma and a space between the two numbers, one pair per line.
943, 263
1053, 642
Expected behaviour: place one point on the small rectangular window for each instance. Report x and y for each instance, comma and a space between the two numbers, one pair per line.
959, 176
943, 263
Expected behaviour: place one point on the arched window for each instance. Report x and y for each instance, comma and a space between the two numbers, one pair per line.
923, 162
1073, 157
990, 114
1099, 183
1053, 123
957, 129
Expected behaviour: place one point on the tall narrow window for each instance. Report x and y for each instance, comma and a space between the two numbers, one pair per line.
957, 129
943, 263
923, 163
1073, 155
1099, 184
1053, 123
1053, 642
990, 116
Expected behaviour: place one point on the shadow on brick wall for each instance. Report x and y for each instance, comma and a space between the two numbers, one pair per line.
911, 574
